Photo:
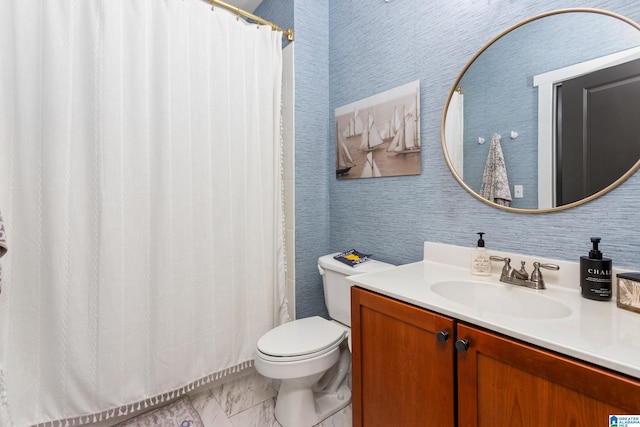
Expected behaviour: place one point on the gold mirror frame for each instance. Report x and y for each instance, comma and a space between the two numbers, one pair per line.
623, 178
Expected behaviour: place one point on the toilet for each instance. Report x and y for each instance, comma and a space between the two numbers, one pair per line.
312, 356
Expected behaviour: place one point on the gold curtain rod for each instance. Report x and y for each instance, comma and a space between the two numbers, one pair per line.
260, 21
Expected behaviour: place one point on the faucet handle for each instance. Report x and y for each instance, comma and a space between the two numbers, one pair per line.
550, 266
499, 258
507, 264
536, 274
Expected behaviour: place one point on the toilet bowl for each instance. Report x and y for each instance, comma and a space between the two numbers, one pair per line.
301, 354
312, 356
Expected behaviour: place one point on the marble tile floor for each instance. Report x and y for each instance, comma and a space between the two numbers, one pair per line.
249, 401
244, 399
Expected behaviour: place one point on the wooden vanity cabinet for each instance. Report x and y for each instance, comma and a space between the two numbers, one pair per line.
403, 375
503, 382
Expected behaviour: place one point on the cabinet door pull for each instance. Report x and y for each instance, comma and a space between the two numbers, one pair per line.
442, 336
462, 345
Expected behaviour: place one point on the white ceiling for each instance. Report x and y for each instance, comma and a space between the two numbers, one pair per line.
248, 5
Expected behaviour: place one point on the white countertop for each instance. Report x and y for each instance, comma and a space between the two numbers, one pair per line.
595, 331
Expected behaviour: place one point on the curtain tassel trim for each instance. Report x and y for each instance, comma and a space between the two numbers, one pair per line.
133, 408
5, 415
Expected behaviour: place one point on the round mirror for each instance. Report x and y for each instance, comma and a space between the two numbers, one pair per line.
543, 117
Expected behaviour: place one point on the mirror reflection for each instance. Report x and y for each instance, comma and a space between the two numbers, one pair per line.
516, 133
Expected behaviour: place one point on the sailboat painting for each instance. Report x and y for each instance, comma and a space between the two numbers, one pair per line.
344, 162
406, 138
379, 136
371, 139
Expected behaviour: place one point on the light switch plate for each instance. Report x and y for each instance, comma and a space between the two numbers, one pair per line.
518, 191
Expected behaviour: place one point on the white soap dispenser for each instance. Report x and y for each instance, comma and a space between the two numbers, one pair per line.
480, 260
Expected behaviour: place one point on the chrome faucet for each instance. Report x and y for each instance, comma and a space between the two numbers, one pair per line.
521, 277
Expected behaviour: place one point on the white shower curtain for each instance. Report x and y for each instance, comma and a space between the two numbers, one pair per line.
454, 132
141, 192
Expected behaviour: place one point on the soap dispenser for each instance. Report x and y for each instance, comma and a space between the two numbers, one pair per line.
480, 260
595, 274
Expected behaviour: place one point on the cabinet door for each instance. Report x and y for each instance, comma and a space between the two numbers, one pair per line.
402, 374
502, 382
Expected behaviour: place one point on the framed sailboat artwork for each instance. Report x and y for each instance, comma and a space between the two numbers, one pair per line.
379, 135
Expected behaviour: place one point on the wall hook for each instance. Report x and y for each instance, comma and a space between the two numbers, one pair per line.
514, 134
481, 140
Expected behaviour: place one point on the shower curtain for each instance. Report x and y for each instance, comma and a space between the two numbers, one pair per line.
141, 191
454, 132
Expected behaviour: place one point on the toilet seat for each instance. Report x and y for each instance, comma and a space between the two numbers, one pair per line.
300, 339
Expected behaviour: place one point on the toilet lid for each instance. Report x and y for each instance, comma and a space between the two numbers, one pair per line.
301, 337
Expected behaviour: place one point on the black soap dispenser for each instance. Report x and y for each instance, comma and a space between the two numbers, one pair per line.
595, 274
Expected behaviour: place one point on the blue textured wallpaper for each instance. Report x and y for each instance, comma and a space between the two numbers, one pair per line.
351, 49
375, 46
311, 66
312, 154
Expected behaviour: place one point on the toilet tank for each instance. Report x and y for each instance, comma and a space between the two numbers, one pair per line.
337, 291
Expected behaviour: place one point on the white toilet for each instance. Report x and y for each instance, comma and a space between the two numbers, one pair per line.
312, 356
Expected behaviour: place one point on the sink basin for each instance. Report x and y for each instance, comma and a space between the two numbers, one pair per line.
502, 299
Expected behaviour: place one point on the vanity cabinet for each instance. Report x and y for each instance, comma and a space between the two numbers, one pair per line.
503, 382
403, 364
407, 373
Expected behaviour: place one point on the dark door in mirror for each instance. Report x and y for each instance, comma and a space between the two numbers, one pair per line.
599, 130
